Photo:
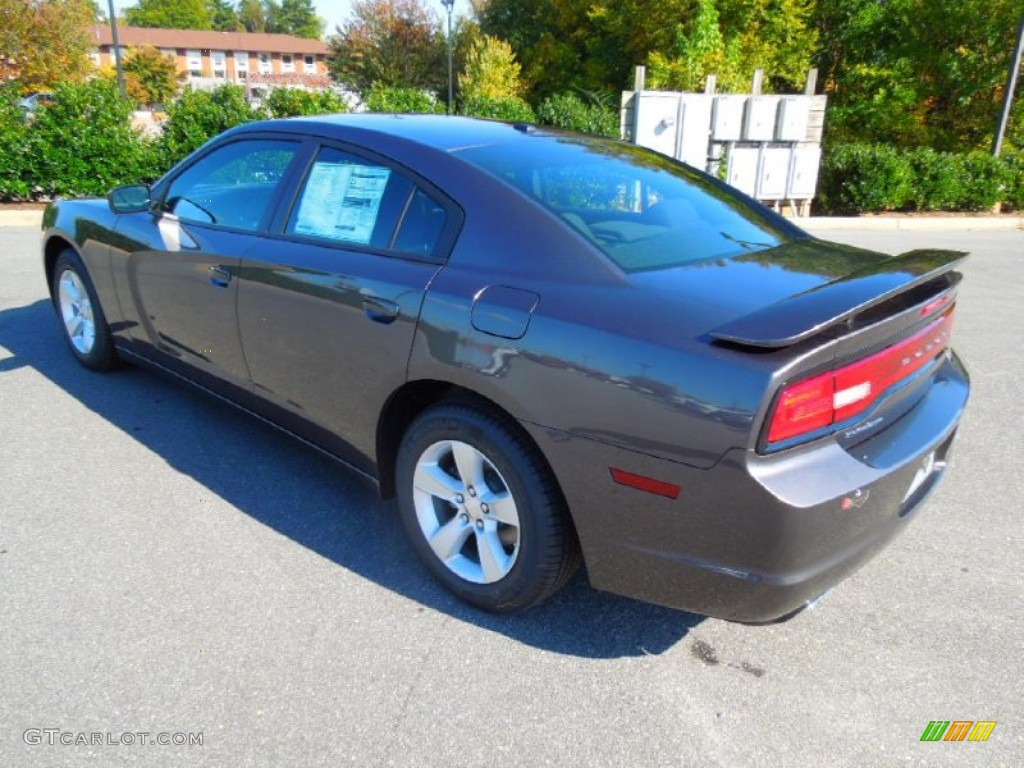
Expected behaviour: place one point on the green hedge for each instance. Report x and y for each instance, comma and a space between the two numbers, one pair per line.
569, 111
871, 178
83, 143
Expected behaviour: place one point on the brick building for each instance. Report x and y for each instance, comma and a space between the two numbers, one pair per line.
259, 61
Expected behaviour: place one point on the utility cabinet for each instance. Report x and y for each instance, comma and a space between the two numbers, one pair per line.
657, 116
727, 118
695, 119
743, 164
793, 115
771, 144
759, 118
803, 177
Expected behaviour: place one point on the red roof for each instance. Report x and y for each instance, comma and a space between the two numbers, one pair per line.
256, 42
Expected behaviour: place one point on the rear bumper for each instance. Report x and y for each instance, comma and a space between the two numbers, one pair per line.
755, 538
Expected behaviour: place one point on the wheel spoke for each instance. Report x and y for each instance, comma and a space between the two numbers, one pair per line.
493, 561
470, 463
430, 478
502, 508
74, 325
447, 541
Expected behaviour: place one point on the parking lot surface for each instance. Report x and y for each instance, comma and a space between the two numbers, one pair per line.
171, 568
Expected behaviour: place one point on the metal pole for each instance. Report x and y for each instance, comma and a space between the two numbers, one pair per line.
448, 4
117, 50
1011, 85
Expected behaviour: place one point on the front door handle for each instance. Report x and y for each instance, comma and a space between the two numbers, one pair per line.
380, 310
220, 276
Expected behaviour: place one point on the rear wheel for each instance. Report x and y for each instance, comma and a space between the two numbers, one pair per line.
483, 510
82, 319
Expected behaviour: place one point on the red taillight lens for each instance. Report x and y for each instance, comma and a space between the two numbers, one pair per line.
835, 396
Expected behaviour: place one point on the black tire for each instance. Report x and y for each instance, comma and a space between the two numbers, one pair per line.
77, 305
541, 549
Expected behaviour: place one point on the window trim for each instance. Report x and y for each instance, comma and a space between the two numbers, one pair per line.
284, 189
288, 203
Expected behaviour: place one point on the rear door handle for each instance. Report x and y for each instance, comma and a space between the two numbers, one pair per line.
380, 310
220, 276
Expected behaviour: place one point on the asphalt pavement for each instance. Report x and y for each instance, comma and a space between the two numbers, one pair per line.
173, 570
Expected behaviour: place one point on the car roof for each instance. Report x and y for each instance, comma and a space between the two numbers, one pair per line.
441, 132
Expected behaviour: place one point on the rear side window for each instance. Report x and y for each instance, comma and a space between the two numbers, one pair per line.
233, 186
349, 199
643, 210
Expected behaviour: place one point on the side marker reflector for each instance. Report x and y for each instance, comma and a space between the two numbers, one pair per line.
648, 484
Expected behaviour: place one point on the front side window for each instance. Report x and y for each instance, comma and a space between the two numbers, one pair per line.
309, 63
233, 186
348, 199
266, 66
287, 62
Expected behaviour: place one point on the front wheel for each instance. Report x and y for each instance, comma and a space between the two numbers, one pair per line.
483, 510
82, 319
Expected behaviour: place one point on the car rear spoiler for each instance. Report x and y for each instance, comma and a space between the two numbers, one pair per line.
808, 314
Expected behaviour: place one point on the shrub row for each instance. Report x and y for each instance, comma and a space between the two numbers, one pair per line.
84, 143
871, 178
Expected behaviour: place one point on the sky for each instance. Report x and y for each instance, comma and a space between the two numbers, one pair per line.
334, 12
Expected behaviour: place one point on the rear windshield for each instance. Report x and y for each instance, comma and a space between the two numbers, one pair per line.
643, 210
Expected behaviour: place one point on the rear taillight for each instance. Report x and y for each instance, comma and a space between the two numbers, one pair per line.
833, 397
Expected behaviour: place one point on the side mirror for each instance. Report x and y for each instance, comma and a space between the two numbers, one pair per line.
131, 198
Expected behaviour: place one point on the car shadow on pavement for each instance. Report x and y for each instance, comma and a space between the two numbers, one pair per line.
315, 501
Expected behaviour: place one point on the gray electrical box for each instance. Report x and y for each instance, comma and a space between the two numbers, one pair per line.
727, 118
695, 117
759, 118
657, 118
803, 176
794, 112
773, 173
743, 169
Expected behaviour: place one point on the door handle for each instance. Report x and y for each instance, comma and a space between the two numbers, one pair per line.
220, 276
380, 310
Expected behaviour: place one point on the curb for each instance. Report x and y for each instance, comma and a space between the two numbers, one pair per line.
21, 218
912, 223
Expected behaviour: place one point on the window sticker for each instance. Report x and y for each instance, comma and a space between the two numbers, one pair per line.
341, 202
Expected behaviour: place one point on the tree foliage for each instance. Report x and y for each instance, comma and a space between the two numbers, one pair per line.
292, 102
150, 76
223, 16
916, 72
170, 14
293, 17
389, 44
44, 42
491, 71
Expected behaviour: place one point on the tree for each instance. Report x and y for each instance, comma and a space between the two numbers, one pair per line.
491, 71
43, 42
150, 76
223, 16
170, 14
392, 44
915, 72
252, 16
732, 38
294, 17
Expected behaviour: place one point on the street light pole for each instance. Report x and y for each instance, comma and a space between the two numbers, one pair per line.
1011, 85
449, 4
117, 50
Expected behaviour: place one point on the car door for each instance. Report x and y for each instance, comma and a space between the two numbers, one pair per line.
181, 260
327, 310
